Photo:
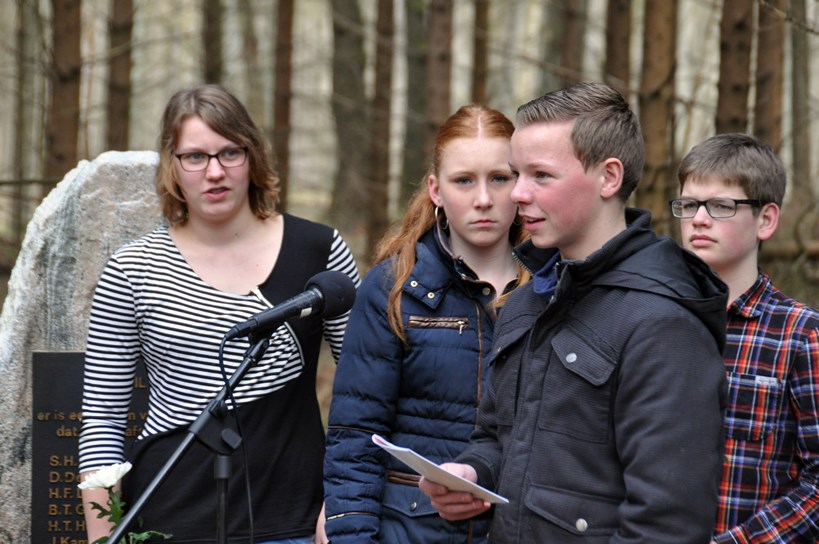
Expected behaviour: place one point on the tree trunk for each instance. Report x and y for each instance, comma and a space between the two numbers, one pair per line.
735, 66
118, 111
63, 121
617, 69
415, 163
24, 54
574, 44
253, 72
439, 67
657, 109
283, 94
212, 40
800, 207
378, 188
554, 31
791, 255
348, 210
509, 20
480, 52
770, 61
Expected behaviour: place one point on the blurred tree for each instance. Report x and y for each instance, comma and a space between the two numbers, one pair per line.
282, 94
63, 120
554, 31
800, 104
657, 109
770, 62
253, 72
25, 43
118, 105
736, 30
480, 52
348, 209
574, 41
798, 221
378, 186
617, 69
212, 40
415, 163
791, 255
439, 67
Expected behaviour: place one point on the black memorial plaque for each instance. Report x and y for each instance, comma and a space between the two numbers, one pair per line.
56, 505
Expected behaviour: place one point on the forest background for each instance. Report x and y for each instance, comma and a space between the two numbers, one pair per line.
350, 92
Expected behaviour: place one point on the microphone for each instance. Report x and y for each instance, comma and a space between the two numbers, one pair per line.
329, 293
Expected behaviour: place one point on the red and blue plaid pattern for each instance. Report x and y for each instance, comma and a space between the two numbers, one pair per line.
769, 491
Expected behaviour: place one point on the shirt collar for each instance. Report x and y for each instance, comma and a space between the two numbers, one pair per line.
750, 304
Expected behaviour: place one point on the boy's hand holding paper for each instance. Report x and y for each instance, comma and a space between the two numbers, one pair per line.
435, 473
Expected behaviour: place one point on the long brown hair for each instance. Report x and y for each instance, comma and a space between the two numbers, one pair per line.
226, 115
469, 121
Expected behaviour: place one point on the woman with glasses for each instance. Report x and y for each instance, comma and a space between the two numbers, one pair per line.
223, 254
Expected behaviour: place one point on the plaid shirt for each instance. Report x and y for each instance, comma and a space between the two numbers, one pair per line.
770, 483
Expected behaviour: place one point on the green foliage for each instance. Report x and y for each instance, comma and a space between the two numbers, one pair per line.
115, 512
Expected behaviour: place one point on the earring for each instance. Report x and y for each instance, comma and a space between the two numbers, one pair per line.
445, 224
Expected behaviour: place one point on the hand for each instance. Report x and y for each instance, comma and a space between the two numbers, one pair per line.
454, 505
321, 536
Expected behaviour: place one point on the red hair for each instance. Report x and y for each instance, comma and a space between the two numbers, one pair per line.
469, 121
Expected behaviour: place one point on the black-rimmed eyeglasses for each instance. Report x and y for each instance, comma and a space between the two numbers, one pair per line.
718, 208
197, 161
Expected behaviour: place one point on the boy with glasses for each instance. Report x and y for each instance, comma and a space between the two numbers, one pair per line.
731, 191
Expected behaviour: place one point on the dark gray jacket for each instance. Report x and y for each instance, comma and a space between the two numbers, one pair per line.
603, 417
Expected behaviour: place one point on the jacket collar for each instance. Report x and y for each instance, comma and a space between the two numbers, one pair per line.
637, 234
436, 270
638, 259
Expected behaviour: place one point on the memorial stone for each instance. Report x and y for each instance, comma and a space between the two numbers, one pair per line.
98, 206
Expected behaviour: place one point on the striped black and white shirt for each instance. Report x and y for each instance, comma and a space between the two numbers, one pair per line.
150, 307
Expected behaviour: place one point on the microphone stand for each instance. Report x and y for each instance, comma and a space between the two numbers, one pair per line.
211, 428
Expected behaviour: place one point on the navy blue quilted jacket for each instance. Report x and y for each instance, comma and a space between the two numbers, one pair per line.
423, 395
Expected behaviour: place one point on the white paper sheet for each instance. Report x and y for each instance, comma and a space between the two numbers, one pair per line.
431, 471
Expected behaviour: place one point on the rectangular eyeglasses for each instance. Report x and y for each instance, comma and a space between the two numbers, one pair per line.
197, 161
718, 208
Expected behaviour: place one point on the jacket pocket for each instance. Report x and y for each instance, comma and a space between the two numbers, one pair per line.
576, 513
577, 388
407, 500
753, 403
428, 322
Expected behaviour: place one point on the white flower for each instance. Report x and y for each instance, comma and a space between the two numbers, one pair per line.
106, 476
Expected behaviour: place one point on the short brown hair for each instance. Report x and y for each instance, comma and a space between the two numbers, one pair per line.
604, 127
226, 115
737, 159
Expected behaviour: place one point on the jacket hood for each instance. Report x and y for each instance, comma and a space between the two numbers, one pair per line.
638, 259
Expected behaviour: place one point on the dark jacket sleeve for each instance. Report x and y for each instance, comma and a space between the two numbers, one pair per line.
365, 394
484, 451
668, 430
